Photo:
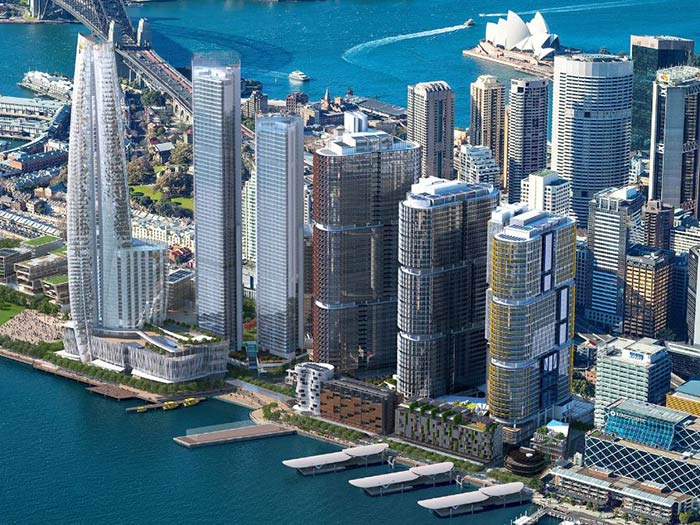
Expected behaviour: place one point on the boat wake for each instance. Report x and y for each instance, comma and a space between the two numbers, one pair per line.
352, 54
577, 7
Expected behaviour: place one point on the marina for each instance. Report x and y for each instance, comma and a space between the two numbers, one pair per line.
231, 435
353, 457
413, 478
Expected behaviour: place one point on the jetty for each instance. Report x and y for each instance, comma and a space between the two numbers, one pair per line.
413, 478
231, 435
483, 499
167, 405
115, 392
347, 458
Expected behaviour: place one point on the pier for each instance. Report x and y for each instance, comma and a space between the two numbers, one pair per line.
112, 391
231, 435
336, 461
486, 498
416, 477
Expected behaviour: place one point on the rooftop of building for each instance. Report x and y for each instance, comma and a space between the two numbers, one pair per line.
692, 459
531, 224
658, 41
437, 85
434, 191
171, 340
594, 58
359, 386
35, 102
180, 275
57, 280
364, 142
40, 241
644, 410
9, 252
690, 388
40, 261
649, 256
644, 352
678, 76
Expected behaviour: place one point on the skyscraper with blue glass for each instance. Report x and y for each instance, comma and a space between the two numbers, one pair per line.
216, 105
279, 149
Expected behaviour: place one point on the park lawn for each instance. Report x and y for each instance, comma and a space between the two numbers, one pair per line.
8, 311
155, 195
148, 190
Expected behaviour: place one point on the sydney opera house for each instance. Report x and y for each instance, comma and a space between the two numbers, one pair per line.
525, 46
513, 34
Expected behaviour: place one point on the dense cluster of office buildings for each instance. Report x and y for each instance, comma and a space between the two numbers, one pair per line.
456, 262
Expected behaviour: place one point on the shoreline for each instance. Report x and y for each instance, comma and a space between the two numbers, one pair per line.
30, 21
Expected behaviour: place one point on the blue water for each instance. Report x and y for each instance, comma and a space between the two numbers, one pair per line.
363, 44
69, 456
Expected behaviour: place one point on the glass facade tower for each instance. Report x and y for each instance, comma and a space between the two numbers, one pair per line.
649, 54
359, 180
442, 286
114, 283
216, 108
279, 148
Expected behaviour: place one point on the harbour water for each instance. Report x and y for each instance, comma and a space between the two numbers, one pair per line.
375, 47
69, 456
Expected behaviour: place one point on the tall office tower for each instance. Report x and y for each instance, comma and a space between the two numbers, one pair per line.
649, 54
487, 118
657, 218
546, 191
591, 121
679, 298
648, 286
443, 230
674, 163
530, 320
627, 369
249, 218
477, 165
614, 225
430, 121
528, 118
279, 298
359, 180
216, 110
114, 282
693, 298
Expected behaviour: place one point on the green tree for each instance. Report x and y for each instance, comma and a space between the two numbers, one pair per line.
140, 171
178, 184
152, 98
182, 154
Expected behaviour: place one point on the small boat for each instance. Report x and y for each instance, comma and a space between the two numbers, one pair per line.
142, 409
469, 23
190, 401
170, 405
299, 76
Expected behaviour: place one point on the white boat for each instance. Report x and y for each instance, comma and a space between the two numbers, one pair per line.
299, 76
469, 23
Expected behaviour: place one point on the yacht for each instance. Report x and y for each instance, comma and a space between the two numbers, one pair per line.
299, 76
469, 23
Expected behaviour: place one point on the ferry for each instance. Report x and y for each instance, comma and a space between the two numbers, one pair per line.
299, 76
469, 23
190, 401
170, 405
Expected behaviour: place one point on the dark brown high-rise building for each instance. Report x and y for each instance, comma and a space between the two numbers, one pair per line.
359, 180
657, 219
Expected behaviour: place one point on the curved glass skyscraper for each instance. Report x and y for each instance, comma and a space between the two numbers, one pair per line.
114, 282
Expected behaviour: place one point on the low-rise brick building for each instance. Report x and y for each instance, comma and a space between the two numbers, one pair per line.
358, 404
